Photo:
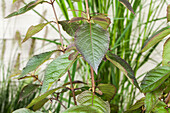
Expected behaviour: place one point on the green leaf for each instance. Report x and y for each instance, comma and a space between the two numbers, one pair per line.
103, 21
127, 4
92, 41
136, 106
108, 91
166, 55
27, 90
55, 70
26, 8
43, 96
40, 104
160, 108
155, 78
86, 98
168, 13
35, 62
33, 30
82, 109
123, 66
70, 28
76, 0
25, 110
155, 38
75, 19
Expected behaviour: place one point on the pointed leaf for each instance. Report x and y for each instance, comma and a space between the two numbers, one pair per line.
168, 13
43, 96
127, 4
25, 110
82, 109
35, 62
86, 98
75, 19
92, 41
27, 90
108, 91
24, 9
155, 38
33, 30
123, 66
103, 21
55, 70
70, 28
166, 55
155, 78
40, 104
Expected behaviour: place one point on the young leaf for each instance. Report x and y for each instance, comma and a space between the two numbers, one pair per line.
27, 90
43, 96
127, 4
26, 8
92, 41
70, 28
25, 110
166, 55
75, 19
155, 78
103, 21
33, 30
35, 62
155, 38
55, 70
108, 91
82, 109
40, 104
168, 13
124, 67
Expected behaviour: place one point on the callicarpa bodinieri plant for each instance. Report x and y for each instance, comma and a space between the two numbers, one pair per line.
93, 48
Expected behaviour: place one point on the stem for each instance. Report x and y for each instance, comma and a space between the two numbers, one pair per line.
72, 88
61, 40
87, 9
93, 83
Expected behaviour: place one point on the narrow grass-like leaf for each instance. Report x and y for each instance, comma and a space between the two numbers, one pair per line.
168, 13
123, 66
35, 62
40, 104
108, 91
55, 70
33, 30
166, 53
76, 0
155, 38
24, 9
43, 96
92, 41
87, 98
27, 90
127, 4
155, 78
70, 28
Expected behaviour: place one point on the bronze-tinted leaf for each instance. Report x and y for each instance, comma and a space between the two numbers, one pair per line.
127, 4
75, 19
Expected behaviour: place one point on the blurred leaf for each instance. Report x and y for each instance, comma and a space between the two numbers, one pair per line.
75, 19
73, 55
43, 96
155, 38
92, 41
123, 66
40, 104
82, 109
103, 21
18, 38
86, 98
76, 0
160, 107
127, 4
35, 62
136, 106
70, 28
26, 8
33, 30
166, 53
168, 13
25, 110
55, 70
155, 78
27, 90
108, 91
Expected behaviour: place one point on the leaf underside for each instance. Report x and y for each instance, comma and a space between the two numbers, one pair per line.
92, 41
127, 4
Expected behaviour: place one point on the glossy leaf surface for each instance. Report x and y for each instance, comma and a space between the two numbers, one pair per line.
166, 53
155, 78
35, 62
123, 66
92, 41
127, 4
155, 38
55, 70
